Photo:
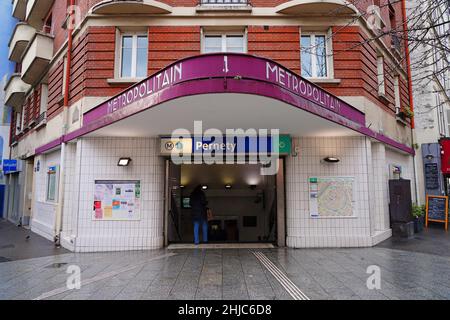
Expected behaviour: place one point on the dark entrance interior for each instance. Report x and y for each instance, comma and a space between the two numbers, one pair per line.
243, 202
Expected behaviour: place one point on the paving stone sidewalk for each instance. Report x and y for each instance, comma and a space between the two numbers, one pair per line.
229, 274
421, 271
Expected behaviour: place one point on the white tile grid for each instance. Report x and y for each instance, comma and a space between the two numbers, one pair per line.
69, 189
381, 212
304, 231
99, 162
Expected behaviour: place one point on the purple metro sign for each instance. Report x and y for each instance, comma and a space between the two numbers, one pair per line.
231, 67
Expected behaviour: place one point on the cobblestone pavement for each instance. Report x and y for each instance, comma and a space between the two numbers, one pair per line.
230, 274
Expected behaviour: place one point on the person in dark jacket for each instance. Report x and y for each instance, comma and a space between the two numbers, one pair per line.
199, 216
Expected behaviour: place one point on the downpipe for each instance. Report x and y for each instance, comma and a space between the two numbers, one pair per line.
61, 181
60, 206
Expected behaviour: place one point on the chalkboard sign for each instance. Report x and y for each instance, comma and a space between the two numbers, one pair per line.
437, 209
431, 176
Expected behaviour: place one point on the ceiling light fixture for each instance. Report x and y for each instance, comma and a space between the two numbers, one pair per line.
331, 159
123, 162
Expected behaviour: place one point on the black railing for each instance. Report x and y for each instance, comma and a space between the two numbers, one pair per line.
225, 2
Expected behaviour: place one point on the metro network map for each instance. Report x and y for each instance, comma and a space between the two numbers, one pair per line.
331, 196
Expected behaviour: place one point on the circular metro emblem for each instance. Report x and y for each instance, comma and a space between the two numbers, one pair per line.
169, 145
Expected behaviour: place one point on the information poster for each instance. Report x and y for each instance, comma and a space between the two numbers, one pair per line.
331, 196
117, 200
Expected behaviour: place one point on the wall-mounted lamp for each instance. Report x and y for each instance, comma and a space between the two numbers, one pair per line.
228, 186
331, 159
123, 162
204, 187
429, 157
181, 186
252, 186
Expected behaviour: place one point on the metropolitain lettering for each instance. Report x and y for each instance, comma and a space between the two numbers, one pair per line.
159, 81
305, 89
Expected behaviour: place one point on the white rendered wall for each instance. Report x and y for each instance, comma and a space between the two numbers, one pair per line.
96, 159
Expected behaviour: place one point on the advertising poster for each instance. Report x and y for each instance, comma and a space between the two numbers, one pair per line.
117, 200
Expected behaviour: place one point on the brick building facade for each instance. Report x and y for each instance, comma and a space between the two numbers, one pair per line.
117, 44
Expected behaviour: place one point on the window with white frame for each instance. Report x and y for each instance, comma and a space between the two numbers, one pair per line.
315, 55
44, 99
380, 75
18, 122
397, 94
133, 52
229, 42
52, 184
22, 120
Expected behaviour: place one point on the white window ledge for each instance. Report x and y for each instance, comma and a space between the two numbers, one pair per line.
401, 120
124, 80
325, 80
383, 98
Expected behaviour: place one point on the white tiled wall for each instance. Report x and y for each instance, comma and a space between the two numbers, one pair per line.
379, 193
71, 193
369, 163
304, 231
96, 159
91, 159
44, 212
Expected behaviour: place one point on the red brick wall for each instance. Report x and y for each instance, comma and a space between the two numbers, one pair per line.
93, 61
278, 43
55, 83
31, 106
168, 44
94, 56
355, 63
99, 55
34, 105
59, 12
12, 128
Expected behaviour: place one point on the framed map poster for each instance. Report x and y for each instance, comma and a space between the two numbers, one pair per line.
331, 197
117, 200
